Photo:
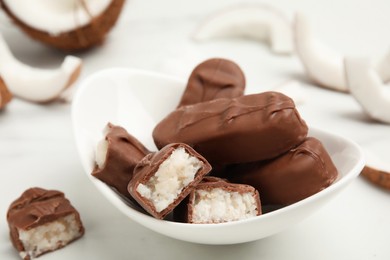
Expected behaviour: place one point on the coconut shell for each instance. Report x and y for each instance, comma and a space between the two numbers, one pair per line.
80, 38
5, 94
377, 177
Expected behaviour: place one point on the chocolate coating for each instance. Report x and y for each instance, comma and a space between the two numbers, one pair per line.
296, 175
123, 154
36, 207
212, 79
147, 168
244, 129
209, 183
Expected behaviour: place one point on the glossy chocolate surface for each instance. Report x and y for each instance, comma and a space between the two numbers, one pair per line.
124, 152
212, 79
244, 129
36, 207
296, 175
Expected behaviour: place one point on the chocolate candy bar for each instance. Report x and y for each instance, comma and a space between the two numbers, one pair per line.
215, 200
41, 221
212, 79
244, 129
298, 174
163, 179
116, 157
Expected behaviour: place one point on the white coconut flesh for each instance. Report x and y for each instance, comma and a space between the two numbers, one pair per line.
50, 236
172, 176
368, 88
64, 15
323, 64
218, 205
36, 84
254, 22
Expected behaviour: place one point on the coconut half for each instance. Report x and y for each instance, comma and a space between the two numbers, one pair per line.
65, 24
35, 84
367, 88
257, 22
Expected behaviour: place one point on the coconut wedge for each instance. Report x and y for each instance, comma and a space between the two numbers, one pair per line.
35, 84
257, 22
65, 24
322, 64
367, 88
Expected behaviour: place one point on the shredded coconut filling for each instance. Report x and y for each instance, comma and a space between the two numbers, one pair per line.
50, 236
218, 205
101, 153
175, 173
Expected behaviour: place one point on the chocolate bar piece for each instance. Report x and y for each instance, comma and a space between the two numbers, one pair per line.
216, 200
116, 157
296, 175
41, 221
164, 178
244, 129
212, 79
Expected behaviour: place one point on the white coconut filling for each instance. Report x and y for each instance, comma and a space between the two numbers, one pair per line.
50, 236
219, 205
36, 84
101, 153
102, 149
64, 15
175, 173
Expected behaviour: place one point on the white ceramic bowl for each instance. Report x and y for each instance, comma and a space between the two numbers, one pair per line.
137, 100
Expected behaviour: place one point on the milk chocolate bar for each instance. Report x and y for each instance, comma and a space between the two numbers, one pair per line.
296, 175
164, 178
244, 129
41, 221
212, 79
215, 200
117, 156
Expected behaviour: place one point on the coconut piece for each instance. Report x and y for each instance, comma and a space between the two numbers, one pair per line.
74, 24
257, 22
36, 84
323, 65
5, 95
367, 88
382, 66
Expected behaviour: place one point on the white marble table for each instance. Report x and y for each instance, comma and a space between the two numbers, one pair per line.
37, 146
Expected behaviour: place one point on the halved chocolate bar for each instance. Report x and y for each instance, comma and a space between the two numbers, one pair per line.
164, 178
215, 200
41, 221
116, 157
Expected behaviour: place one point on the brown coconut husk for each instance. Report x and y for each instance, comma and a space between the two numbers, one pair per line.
5, 94
377, 177
80, 38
